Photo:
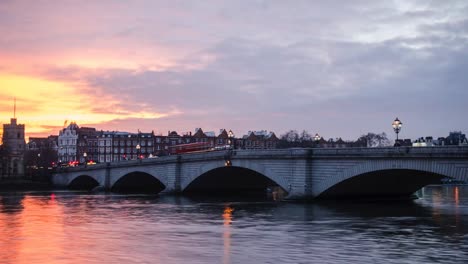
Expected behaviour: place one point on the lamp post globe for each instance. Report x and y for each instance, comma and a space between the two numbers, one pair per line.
317, 138
397, 127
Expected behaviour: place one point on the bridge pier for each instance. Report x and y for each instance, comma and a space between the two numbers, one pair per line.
107, 177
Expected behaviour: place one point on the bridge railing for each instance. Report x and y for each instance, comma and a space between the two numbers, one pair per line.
441, 151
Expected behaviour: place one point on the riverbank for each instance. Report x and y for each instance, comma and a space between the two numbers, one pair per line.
23, 185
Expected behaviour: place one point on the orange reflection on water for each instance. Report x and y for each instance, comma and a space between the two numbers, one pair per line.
227, 221
227, 215
32, 238
457, 196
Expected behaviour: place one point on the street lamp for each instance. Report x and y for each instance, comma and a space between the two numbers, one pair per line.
317, 138
85, 155
38, 160
397, 127
231, 138
138, 147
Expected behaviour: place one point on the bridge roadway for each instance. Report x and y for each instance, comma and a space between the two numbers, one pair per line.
301, 173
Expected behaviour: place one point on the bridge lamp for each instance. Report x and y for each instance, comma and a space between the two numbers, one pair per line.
84, 157
397, 127
231, 138
317, 138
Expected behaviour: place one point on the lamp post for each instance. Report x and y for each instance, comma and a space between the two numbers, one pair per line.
397, 127
38, 168
85, 155
138, 147
317, 138
231, 139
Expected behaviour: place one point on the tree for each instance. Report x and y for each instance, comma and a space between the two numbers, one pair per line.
289, 140
305, 137
291, 136
375, 140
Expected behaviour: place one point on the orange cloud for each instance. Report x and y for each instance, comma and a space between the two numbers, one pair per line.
44, 104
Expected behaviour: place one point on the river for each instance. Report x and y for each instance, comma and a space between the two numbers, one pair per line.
74, 227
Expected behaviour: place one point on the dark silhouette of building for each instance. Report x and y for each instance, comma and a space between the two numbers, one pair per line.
14, 147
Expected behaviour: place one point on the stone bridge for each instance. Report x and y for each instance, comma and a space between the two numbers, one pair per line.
301, 173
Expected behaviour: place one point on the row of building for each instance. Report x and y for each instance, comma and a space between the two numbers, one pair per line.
456, 138
83, 144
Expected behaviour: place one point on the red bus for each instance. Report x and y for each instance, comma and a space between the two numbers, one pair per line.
191, 147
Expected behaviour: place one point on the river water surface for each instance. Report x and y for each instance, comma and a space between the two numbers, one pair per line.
71, 227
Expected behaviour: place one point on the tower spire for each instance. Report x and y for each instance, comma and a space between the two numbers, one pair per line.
14, 109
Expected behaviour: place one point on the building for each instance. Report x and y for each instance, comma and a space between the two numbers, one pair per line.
13, 150
105, 139
258, 140
118, 146
67, 143
424, 142
87, 144
455, 138
39, 144
404, 142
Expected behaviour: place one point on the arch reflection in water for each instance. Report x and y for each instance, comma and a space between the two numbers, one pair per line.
138, 182
231, 181
83, 182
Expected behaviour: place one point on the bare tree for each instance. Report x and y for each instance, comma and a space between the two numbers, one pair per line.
305, 137
375, 140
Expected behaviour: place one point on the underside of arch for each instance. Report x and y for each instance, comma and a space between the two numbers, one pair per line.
394, 183
83, 182
231, 180
138, 182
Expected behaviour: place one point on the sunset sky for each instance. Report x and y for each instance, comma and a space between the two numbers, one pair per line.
339, 68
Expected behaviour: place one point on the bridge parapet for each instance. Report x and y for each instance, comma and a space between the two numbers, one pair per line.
433, 152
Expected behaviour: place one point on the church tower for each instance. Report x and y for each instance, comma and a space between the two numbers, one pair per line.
15, 144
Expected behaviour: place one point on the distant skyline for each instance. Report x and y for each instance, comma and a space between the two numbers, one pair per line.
337, 68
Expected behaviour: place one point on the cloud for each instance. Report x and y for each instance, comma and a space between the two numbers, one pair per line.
338, 68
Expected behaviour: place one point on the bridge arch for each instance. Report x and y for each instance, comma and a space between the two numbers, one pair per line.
137, 182
216, 175
83, 182
384, 178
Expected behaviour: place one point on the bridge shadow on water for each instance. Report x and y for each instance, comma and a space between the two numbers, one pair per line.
135, 182
384, 184
234, 182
